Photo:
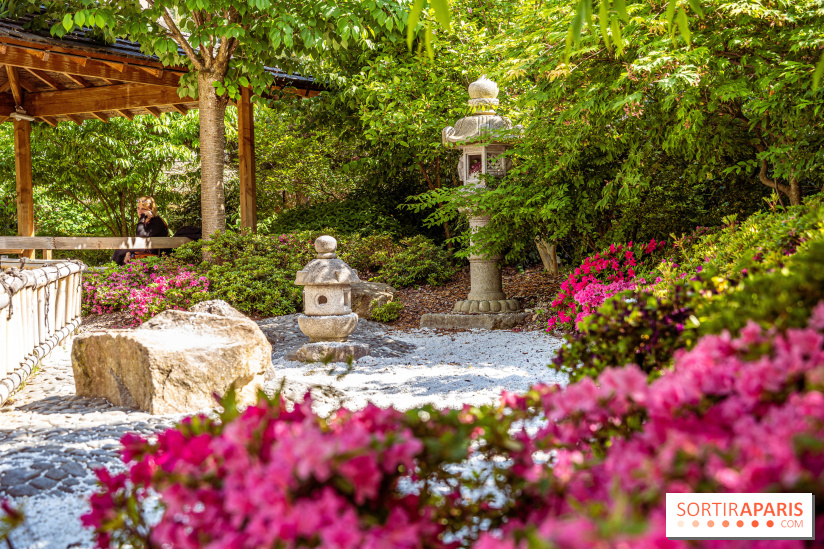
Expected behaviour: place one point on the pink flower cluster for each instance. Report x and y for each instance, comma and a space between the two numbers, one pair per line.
594, 295
735, 415
613, 270
276, 478
143, 288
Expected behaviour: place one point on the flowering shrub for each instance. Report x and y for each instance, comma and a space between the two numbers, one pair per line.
637, 328
143, 289
734, 415
611, 271
269, 477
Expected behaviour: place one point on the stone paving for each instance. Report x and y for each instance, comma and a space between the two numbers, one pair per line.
50, 443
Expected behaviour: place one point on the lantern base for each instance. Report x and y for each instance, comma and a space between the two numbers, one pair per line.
486, 306
453, 321
328, 351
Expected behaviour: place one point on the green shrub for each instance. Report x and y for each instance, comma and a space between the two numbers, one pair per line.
416, 260
345, 217
388, 312
761, 242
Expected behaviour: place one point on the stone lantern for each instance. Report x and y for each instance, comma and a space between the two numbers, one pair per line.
482, 138
328, 319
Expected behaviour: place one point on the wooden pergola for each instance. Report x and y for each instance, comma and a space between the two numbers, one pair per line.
76, 79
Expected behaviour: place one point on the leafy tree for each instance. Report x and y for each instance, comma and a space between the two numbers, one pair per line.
227, 44
87, 178
645, 139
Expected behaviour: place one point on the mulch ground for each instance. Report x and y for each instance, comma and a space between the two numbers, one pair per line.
534, 288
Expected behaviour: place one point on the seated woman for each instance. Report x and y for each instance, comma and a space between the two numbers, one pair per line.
149, 225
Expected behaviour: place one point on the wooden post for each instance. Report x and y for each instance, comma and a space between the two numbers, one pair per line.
246, 142
22, 170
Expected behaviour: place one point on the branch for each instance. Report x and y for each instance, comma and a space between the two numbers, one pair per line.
762, 175
180, 39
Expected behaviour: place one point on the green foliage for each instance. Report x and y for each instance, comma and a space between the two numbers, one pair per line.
388, 312
413, 261
256, 287
763, 241
780, 298
348, 216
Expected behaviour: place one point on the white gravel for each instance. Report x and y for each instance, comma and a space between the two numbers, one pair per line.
446, 370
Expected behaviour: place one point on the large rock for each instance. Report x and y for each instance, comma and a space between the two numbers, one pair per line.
173, 363
366, 296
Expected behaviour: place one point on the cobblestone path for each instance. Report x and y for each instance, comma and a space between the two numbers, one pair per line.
50, 443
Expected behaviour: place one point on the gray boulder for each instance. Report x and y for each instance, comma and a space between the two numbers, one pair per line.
173, 363
217, 307
366, 296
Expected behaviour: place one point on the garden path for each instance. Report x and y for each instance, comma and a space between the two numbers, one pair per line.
51, 441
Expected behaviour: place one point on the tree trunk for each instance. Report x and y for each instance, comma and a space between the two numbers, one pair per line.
795, 191
548, 256
212, 145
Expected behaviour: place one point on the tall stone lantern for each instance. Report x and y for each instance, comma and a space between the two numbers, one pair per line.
482, 138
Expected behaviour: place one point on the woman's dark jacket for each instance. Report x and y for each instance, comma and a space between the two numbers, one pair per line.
156, 227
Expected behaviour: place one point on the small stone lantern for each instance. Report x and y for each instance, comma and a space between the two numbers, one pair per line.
328, 319
482, 137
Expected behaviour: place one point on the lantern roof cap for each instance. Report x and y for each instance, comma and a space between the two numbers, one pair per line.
326, 269
483, 124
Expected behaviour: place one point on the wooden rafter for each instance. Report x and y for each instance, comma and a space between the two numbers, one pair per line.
182, 109
5, 87
49, 120
79, 80
125, 114
116, 66
101, 98
75, 65
154, 111
14, 84
103, 117
76, 119
46, 79
26, 86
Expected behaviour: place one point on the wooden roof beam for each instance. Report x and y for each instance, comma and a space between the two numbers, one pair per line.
79, 80
49, 120
46, 79
154, 111
99, 99
14, 84
125, 114
76, 119
182, 109
103, 117
78, 66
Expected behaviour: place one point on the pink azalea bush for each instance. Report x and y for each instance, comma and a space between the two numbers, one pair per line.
143, 289
608, 272
735, 415
270, 477
740, 414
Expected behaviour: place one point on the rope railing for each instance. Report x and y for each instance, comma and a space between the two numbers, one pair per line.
40, 305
